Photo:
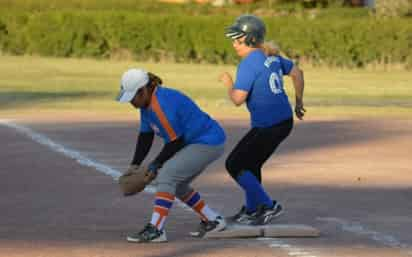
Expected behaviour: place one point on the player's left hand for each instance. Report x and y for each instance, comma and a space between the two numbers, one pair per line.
134, 180
226, 78
299, 110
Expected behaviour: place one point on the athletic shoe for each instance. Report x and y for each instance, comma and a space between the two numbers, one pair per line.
205, 227
150, 234
243, 217
241, 212
265, 214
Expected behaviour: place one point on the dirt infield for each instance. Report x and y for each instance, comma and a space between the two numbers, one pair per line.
349, 178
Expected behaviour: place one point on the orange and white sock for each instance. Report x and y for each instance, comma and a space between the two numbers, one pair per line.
163, 203
198, 205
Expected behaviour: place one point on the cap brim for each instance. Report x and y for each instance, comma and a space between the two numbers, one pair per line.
125, 96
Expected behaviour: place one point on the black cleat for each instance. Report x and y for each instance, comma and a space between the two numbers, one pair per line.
242, 217
265, 214
205, 227
241, 212
150, 234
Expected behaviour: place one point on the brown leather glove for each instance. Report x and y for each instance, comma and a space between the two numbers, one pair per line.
135, 179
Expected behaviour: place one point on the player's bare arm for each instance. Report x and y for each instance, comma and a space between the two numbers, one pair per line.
238, 97
299, 83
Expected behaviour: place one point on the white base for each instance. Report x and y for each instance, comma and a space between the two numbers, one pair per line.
274, 230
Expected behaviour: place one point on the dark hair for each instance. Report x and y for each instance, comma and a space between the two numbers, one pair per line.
154, 80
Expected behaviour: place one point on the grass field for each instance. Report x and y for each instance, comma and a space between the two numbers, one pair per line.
32, 85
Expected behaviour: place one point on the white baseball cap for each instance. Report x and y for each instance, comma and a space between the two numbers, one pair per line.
132, 80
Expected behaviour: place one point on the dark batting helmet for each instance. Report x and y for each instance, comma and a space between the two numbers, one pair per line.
250, 26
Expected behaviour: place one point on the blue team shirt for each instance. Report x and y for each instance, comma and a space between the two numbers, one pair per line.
172, 114
262, 77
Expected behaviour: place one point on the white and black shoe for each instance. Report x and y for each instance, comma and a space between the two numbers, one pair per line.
243, 217
241, 212
265, 214
205, 227
150, 234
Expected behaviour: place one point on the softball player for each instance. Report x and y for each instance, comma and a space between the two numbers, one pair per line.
259, 83
192, 141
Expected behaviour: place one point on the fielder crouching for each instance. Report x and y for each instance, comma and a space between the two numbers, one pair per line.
192, 141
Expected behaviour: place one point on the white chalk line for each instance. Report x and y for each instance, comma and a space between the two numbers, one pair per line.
75, 155
292, 250
72, 154
358, 229
105, 169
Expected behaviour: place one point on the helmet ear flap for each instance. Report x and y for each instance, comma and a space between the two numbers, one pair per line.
250, 40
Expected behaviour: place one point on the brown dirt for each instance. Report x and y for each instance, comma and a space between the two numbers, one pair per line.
354, 170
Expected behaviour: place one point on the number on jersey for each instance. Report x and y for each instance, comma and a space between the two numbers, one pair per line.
276, 83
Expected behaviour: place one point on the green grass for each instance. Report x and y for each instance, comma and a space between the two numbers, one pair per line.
37, 84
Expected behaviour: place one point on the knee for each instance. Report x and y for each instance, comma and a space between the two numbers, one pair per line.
232, 168
167, 188
182, 191
165, 184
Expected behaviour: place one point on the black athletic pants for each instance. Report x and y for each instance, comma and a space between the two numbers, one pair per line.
256, 147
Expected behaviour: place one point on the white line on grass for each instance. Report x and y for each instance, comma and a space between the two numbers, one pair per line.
83, 160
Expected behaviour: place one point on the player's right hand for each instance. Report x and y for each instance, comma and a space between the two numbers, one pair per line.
227, 80
132, 168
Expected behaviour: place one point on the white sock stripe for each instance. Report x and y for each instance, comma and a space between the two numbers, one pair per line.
209, 213
162, 223
155, 218
161, 207
164, 198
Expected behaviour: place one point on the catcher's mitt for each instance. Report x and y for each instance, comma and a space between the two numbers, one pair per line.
135, 179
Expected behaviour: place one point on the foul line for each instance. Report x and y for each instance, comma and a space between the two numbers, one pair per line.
70, 153
358, 229
292, 250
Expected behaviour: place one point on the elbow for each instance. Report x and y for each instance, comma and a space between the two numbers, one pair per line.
238, 97
297, 74
237, 102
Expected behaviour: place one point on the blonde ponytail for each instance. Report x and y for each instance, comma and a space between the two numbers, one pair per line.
270, 48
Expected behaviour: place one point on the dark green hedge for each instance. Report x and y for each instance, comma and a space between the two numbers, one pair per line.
340, 42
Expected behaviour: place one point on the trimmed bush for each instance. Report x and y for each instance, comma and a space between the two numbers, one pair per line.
393, 8
340, 42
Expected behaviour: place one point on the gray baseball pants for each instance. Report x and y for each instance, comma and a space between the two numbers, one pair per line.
178, 172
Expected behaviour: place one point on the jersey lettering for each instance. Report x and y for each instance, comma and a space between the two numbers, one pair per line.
276, 82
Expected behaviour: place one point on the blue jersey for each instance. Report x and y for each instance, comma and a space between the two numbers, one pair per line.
172, 114
262, 77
